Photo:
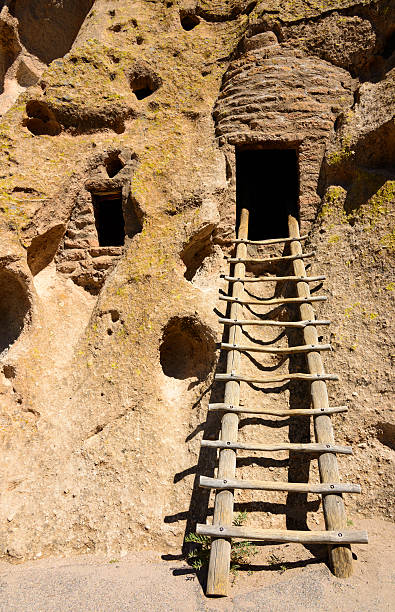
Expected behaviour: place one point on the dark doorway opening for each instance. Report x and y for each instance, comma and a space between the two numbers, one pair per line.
109, 219
267, 184
389, 46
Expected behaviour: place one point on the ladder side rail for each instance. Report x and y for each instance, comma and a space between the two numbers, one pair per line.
219, 564
333, 505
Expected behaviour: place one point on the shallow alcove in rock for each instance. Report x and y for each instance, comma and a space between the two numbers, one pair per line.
9, 49
376, 150
43, 247
187, 349
196, 250
113, 164
14, 308
18, 69
386, 433
142, 79
62, 20
267, 184
188, 20
41, 120
9, 371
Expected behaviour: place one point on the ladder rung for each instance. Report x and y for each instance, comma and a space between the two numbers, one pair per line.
285, 446
263, 279
280, 535
300, 324
270, 259
323, 488
306, 348
272, 379
277, 412
270, 241
270, 302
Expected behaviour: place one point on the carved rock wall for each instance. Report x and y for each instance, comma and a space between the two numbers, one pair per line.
274, 96
100, 425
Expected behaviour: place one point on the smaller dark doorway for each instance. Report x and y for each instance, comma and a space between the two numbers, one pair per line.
109, 221
267, 185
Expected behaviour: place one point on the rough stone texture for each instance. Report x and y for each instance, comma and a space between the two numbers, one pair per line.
272, 95
63, 21
346, 41
217, 10
26, 49
100, 443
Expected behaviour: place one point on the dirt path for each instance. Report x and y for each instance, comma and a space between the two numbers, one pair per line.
145, 582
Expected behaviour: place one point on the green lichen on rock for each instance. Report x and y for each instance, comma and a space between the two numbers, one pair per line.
375, 210
388, 241
335, 238
342, 154
333, 203
181, 184
379, 206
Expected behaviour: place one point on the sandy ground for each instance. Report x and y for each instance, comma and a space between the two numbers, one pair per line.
149, 581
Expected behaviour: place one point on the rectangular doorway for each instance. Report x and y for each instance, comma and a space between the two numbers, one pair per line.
267, 184
109, 220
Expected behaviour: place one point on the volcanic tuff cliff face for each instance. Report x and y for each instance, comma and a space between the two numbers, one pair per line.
107, 322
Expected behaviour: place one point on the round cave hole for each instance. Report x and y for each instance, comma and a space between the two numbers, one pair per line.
41, 119
113, 164
188, 20
14, 308
187, 349
143, 80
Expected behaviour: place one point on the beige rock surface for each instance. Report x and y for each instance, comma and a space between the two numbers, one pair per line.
108, 351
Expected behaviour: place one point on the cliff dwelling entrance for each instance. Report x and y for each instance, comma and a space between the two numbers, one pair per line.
109, 219
267, 184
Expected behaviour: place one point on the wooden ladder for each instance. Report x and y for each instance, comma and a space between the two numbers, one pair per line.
337, 536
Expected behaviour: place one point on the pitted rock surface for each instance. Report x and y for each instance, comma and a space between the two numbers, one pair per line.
276, 96
108, 352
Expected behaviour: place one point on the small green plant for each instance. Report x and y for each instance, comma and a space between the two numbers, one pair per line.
349, 523
198, 557
239, 555
240, 518
273, 560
